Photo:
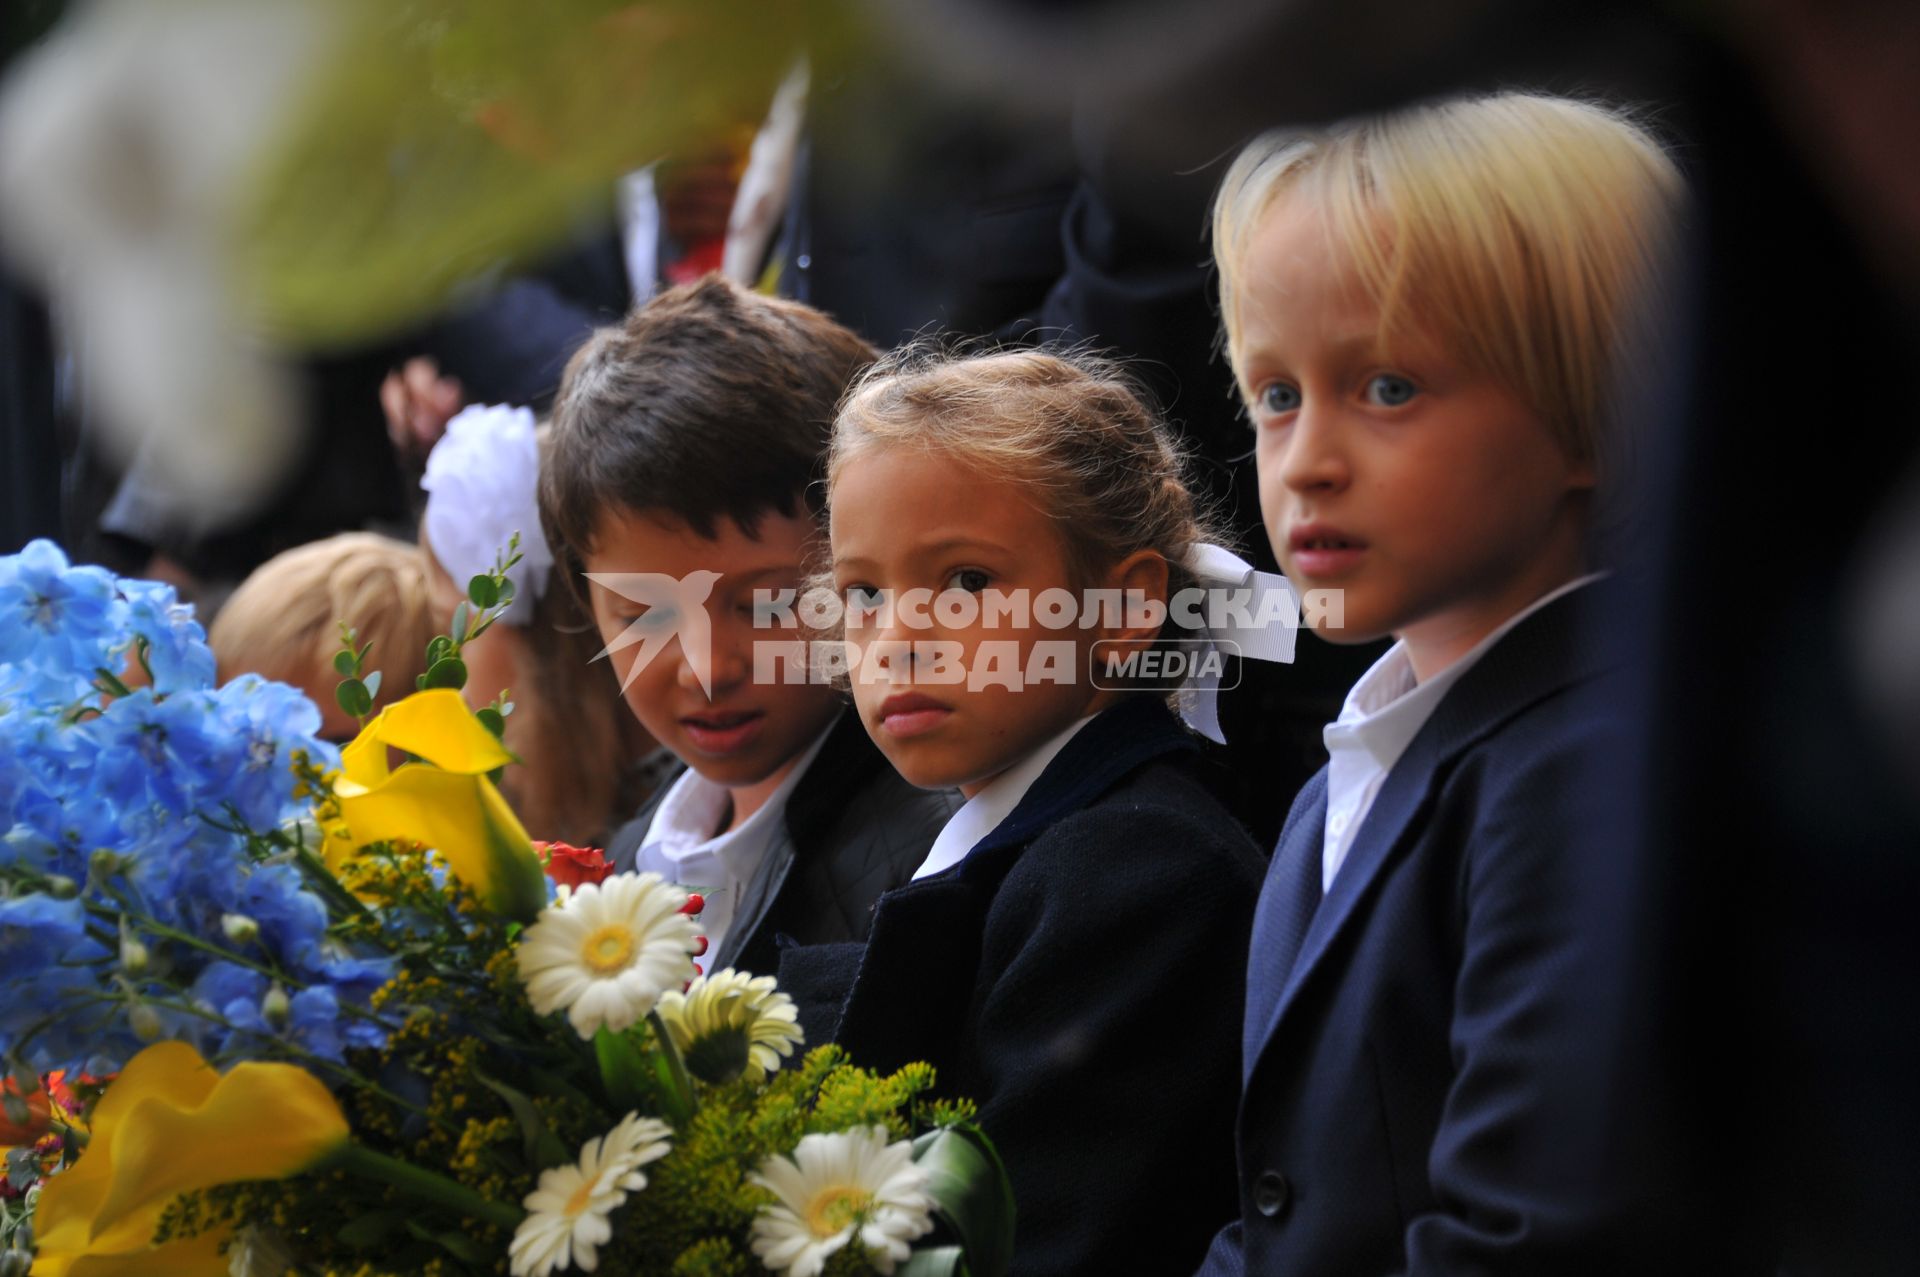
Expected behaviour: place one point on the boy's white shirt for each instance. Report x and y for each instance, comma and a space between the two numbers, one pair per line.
981, 814
681, 846
1383, 713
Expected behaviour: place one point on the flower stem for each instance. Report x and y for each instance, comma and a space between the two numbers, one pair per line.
424, 1184
680, 1096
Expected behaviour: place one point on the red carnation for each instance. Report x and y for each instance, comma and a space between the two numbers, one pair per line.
572, 866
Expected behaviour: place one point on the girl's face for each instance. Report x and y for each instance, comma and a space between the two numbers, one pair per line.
931, 672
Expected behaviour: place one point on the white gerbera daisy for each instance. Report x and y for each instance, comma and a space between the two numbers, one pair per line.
566, 1221
731, 1023
607, 953
837, 1187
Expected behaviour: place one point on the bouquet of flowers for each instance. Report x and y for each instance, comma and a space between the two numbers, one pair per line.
268, 1007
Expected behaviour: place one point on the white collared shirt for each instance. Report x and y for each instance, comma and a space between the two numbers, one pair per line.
981, 814
1383, 713
681, 846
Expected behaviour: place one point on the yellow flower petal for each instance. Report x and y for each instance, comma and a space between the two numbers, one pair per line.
466, 820
167, 1125
437, 725
190, 1257
446, 802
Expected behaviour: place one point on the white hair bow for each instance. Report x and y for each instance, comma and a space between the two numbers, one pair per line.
482, 487
1247, 613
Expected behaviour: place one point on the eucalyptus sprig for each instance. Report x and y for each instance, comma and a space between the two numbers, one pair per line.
488, 596
358, 688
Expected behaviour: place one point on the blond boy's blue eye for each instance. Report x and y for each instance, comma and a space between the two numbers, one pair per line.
1390, 390
1278, 397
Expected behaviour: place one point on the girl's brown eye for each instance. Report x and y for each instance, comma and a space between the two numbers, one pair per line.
972, 580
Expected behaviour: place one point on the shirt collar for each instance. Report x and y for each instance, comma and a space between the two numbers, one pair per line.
682, 829
981, 814
1388, 706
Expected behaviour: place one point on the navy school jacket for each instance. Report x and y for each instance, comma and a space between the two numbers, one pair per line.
1078, 976
1427, 1053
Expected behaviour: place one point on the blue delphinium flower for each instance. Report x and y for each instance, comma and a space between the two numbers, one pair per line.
264, 725
176, 652
127, 864
54, 616
37, 931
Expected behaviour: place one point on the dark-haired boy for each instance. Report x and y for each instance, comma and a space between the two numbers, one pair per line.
685, 445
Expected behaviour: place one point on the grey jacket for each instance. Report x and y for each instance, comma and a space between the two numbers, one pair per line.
853, 830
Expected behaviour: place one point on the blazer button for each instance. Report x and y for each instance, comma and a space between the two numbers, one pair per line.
1271, 1193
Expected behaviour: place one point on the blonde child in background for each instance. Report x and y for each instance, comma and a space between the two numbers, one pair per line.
284, 621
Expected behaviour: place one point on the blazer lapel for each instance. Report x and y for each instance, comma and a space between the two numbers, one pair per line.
1564, 643
1288, 900
1401, 798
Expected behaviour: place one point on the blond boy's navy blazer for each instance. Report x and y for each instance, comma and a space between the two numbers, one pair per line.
1425, 1050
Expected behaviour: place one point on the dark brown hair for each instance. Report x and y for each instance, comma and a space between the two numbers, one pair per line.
709, 402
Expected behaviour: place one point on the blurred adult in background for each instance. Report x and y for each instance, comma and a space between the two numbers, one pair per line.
29, 443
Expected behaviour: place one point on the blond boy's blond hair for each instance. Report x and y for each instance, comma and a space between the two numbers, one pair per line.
1523, 231
284, 620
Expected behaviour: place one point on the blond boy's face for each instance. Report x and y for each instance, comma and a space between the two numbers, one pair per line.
1432, 496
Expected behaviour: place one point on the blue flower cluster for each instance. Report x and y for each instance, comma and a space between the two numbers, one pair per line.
145, 889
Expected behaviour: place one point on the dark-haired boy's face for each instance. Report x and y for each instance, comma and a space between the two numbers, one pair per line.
737, 731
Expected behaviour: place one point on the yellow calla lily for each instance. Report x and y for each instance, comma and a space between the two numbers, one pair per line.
190, 1257
169, 1125
445, 801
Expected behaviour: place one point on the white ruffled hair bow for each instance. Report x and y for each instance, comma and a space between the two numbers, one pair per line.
482, 482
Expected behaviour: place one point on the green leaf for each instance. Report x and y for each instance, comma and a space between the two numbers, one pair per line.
373, 683
440, 649
623, 1070
459, 1245
448, 671
506, 589
462, 621
420, 682
491, 720
543, 1148
935, 1261
483, 591
354, 698
972, 1194
344, 664
363, 1232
